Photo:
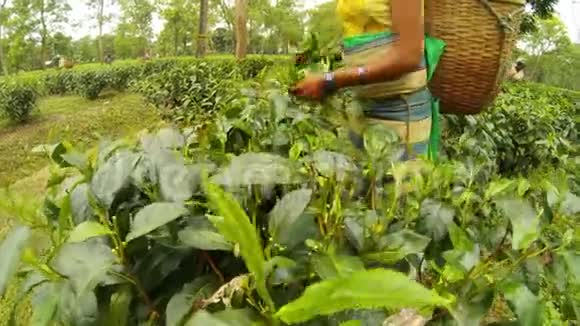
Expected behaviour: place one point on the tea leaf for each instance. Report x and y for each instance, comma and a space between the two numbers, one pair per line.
571, 204
176, 182
119, 307
500, 187
80, 206
397, 246
524, 303
76, 160
77, 309
436, 218
330, 164
170, 138
10, 252
45, 301
183, 302
471, 312
154, 216
235, 226
87, 230
377, 288
459, 238
572, 260
524, 220
330, 265
87, 264
286, 213
113, 177
203, 318
204, 239
238, 317
352, 323
54, 152
256, 169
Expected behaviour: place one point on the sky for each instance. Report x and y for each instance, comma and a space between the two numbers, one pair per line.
568, 10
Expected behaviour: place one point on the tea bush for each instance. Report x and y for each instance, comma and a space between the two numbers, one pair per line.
269, 216
17, 100
58, 82
90, 80
528, 126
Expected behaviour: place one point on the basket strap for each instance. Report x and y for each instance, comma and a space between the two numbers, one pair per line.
502, 21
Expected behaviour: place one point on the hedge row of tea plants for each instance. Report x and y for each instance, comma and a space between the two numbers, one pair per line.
529, 125
17, 100
266, 215
19, 93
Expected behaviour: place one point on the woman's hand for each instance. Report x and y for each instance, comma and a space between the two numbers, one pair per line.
311, 87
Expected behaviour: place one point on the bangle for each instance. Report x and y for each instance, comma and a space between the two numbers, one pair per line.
329, 83
362, 75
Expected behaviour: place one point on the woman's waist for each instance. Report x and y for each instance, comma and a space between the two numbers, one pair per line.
412, 106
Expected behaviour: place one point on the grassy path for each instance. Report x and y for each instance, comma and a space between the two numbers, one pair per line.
72, 118
60, 118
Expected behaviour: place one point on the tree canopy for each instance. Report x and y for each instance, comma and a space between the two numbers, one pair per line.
33, 32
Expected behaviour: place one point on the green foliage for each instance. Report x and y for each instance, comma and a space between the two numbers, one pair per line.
12, 248
256, 216
365, 289
529, 126
263, 212
17, 100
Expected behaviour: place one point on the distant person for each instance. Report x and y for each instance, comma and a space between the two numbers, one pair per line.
108, 59
516, 73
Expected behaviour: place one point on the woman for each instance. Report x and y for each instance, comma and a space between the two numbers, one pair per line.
384, 52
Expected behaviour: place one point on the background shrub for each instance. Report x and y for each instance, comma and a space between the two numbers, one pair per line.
17, 100
59, 82
529, 126
90, 83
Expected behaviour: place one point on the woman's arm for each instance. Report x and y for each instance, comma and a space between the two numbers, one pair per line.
405, 54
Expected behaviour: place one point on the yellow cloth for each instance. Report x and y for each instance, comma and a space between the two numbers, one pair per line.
373, 16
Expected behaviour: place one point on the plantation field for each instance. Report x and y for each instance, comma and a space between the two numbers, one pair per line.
247, 206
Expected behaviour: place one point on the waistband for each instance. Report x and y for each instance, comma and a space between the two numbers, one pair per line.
414, 106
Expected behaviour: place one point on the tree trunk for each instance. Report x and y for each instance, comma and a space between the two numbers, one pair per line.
175, 39
101, 18
241, 28
2, 60
202, 37
43, 35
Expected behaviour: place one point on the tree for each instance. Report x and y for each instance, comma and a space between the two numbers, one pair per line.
241, 28
136, 24
551, 56
202, 34
541, 9
180, 27
21, 53
49, 14
61, 44
3, 19
101, 17
222, 40
323, 20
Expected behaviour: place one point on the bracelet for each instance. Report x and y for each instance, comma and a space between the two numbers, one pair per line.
329, 83
362, 75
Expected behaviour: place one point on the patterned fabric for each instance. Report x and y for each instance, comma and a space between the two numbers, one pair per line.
404, 104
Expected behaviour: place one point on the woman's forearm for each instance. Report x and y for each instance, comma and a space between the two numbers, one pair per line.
396, 62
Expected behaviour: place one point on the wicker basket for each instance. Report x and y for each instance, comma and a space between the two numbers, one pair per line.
480, 35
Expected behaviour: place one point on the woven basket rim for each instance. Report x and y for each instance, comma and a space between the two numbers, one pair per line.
515, 2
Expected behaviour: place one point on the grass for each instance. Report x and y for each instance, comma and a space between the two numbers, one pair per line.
72, 118
69, 118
